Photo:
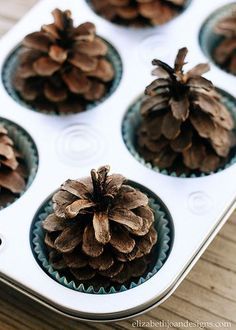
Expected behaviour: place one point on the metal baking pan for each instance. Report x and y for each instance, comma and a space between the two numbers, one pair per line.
199, 206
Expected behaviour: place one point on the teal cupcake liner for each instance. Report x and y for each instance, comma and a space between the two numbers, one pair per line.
132, 121
25, 144
146, 24
163, 225
11, 64
208, 39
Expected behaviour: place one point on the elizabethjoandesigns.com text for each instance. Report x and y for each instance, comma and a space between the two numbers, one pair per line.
183, 324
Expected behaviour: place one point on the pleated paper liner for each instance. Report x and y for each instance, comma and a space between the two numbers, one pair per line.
11, 64
144, 22
163, 225
208, 39
26, 146
132, 121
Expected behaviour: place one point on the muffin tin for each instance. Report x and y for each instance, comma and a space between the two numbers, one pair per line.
69, 146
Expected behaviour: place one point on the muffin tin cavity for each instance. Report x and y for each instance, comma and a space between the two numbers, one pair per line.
11, 63
208, 38
160, 252
25, 145
130, 18
131, 123
80, 144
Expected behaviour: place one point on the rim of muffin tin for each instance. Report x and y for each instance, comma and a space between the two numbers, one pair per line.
94, 297
26, 145
10, 64
131, 121
145, 26
163, 224
207, 38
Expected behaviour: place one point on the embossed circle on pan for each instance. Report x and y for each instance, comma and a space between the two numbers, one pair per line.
80, 144
199, 202
155, 44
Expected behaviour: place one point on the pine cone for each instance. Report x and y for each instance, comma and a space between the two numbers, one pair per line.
12, 169
101, 230
62, 67
184, 124
138, 12
225, 53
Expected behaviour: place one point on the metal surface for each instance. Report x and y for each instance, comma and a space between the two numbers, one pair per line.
214, 195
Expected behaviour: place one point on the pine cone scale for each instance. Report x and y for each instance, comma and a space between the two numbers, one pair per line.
83, 274
131, 200
53, 223
101, 227
97, 47
84, 62
45, 66
69, 239
180, 109
170, 126
182, 142
121, 241
90, 245
194, 156
12, 181
103, 262
58, 54
77, 206
114, 270
127, 218
76, 82
61, 200
38, 41
75, 260
78, 188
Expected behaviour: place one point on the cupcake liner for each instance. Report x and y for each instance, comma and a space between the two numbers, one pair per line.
208, 39
132, 121
11, 63
163, 225
23, 143
146, 25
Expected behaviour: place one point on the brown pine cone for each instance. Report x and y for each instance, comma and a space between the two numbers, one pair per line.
62, 67
13, 171
138, 12
184, 125
101, 231
225, 52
